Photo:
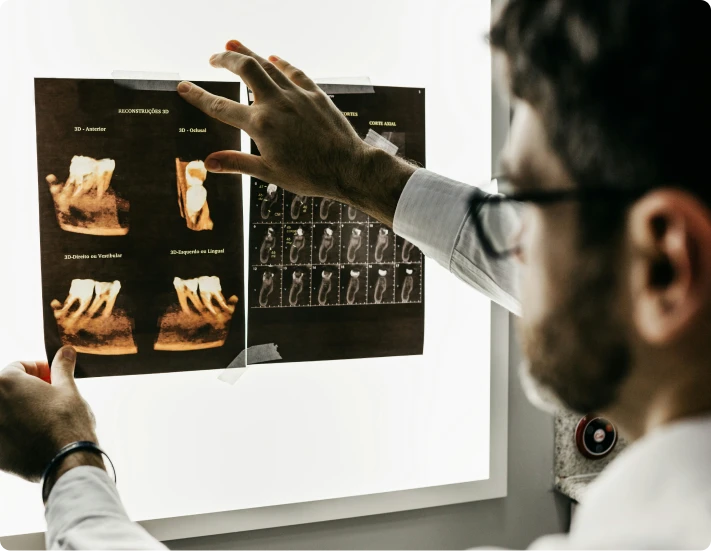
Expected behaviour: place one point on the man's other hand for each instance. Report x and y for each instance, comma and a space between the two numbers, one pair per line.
38, 418
307, 145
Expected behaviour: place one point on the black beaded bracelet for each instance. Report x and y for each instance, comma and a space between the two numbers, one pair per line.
64, 452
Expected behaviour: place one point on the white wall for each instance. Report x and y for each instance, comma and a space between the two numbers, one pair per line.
531, 509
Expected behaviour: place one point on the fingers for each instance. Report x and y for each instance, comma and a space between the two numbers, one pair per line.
250, 70
237, 163
297, 76
36, 369
222, 109
63, 366
275, 74
39, 369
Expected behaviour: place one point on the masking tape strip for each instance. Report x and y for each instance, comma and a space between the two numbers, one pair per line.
381, 142
257, 354
147, 80
345, 85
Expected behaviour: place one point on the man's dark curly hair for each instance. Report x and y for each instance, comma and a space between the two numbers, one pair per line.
623, 86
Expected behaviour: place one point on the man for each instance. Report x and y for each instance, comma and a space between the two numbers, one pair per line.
615, 273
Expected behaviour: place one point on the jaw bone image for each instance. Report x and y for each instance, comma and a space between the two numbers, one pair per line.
380, 286
382, 244
85, 203
353, 286
325, 288
354, 244
267, 246
268, 202
326, 245
297, 287
89, 321
200, 320
192, 195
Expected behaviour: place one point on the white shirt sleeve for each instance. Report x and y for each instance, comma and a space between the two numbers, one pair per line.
434, 214
84, 511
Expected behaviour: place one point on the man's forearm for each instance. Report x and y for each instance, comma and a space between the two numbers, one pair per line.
77, 459
375, 184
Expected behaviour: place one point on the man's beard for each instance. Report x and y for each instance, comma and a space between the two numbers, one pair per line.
579, 353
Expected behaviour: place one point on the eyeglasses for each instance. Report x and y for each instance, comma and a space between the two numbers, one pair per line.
498, 217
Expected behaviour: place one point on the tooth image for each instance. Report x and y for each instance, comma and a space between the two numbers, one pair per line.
192, 195
200, 319
325, 208
105, 170
195, 200
267, 288
406, 250
325, 288
296, 203
85, 203
91, 329
297, 287
380, 286
267, 246
106, 294
210, 289
297, 245
354, 244
352, 213
353, 286
382, 244
326, 245
407, 286
268, 202
187, 292
81, 291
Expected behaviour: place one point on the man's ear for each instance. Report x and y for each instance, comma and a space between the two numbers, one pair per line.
670, 263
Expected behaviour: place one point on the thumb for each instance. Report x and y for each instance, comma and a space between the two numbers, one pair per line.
236, 162
63, 366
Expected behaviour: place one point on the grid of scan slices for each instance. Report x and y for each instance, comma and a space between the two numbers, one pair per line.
311, 251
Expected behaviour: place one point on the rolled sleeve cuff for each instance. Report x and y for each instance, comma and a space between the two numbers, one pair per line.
431, 212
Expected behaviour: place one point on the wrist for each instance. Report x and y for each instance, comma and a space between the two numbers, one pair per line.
80, 458
376, 182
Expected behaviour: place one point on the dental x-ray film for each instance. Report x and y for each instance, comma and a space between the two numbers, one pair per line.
142, 248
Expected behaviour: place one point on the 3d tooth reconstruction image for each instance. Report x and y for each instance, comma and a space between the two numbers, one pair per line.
89, 320
200, 319
192, 195
85, 203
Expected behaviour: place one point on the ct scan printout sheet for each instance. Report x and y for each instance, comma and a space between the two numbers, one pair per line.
326, 281
141, 247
